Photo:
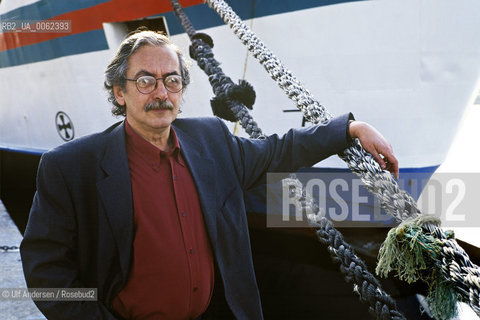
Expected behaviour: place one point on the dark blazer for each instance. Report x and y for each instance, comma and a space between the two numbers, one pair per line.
80, 230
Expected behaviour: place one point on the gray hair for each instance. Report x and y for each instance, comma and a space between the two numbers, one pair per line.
116, 71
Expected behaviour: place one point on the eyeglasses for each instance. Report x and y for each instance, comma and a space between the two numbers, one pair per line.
147, 84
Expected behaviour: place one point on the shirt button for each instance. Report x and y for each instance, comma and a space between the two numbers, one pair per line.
174, 177
184, 214
191, 251
195, 289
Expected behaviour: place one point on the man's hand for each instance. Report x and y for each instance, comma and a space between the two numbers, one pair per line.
374, 143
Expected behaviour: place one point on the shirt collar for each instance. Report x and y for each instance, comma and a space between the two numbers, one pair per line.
147, 151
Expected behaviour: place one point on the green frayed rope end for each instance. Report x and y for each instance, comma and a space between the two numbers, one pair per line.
442, 299
408, 250
412, 253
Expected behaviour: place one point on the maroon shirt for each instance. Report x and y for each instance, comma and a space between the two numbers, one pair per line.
172, 271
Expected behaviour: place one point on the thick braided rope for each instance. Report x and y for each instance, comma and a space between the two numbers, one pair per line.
457, 268
395, 201
354, 271
202, 53
464, 275
312, 110
353, 268
399, 204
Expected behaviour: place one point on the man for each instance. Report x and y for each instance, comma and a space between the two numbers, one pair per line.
150, 210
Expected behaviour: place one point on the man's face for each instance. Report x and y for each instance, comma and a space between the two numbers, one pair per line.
157, 62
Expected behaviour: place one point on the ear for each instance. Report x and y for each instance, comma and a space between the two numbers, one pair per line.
118, 92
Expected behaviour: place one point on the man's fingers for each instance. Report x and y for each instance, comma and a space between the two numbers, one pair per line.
374, 143
392, 164
386, 160
380, 160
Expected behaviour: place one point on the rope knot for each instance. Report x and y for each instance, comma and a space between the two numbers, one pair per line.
413, 251
205, 38
242, 92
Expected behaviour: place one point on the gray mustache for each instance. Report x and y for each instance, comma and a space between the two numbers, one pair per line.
159, 105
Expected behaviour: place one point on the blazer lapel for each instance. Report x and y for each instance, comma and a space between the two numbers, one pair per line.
116, 195
202, 170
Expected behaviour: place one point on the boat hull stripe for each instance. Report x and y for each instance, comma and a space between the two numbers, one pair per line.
23, 48
69, 45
